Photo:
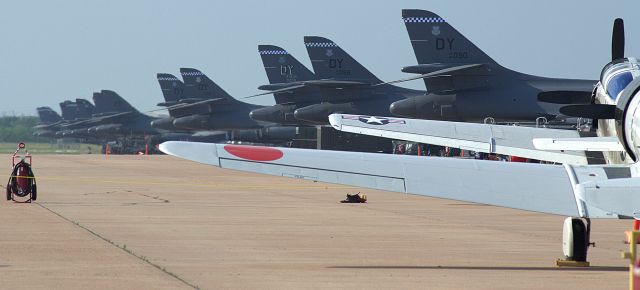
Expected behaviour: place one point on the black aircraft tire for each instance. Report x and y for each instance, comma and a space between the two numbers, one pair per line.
579, 240
8, 192
34, 192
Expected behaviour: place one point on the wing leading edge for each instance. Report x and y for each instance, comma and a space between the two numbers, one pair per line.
542, 188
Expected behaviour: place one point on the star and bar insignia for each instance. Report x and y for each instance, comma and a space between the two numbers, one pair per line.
373, 120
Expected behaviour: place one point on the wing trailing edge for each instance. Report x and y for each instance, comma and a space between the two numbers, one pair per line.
579, 144
487, 138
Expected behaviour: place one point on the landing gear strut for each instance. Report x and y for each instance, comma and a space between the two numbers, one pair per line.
575, 242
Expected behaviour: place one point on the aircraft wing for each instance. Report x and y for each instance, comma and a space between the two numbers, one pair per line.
500, 139
563, 190
98, 120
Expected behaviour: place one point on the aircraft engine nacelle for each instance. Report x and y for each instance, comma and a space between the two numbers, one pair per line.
193, 122
279, 133
281, 114
108, 129
429, 106
627, 120
90, 130
44, 133
73, 133
319, 113
164, 123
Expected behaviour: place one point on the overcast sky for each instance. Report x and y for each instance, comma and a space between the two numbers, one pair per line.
57, 50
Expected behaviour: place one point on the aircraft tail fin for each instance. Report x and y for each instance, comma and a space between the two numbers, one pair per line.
85, 109
69, 110
172, 87
201, 87
108, 102
48, 115
332, 62
282, 67
435, 41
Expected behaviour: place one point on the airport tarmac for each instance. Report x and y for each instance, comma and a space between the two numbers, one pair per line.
158, 222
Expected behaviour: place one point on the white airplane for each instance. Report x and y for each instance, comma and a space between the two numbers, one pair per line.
574, 189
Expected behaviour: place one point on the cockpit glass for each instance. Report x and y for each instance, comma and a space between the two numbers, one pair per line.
617, 83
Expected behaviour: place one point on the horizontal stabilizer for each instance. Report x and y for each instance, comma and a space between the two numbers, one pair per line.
167, 104
277, 86
618, 195
196, 104
192, 100
467, 69
278, 91
312, 83
593, 111
579, 144
565, 97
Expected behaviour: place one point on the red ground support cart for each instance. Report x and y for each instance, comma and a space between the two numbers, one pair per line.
22, 182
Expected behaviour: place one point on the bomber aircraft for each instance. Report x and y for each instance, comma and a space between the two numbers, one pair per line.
465, 84
199, 104
284, 72
49, 121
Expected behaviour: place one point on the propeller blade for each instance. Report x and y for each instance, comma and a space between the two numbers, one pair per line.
593, 111
565, 97
617, 40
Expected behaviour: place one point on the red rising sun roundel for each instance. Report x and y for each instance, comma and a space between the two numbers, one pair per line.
254, 153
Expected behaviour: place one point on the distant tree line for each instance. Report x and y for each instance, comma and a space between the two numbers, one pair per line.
18, 129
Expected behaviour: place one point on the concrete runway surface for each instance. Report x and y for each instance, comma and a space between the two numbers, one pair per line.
157, 222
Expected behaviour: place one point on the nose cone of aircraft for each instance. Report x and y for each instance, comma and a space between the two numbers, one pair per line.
164, 123
404, 108
190, 122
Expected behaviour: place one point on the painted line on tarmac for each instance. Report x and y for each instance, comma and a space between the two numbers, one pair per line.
123, 248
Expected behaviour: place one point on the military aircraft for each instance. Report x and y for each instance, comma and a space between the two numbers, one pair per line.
221, 110
465, 84
49, 120
76, 113
72, 112
112, 117
581, 192
344, 85
173, 91
285, 71
207, 107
